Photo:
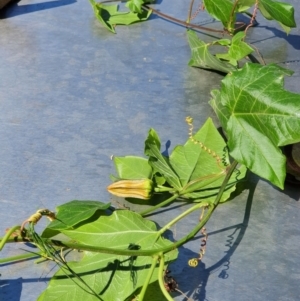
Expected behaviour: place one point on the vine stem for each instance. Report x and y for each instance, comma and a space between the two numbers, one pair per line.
155, 252
230, 171
147, 280
190, 11
7, 236
181, 216
20, 257
164, 203
161, 278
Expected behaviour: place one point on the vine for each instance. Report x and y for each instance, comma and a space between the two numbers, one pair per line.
124, 246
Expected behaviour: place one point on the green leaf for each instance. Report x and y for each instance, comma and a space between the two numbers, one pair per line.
244, 5
158, 162
113, 277
135, 5
74, 212
202, 169
279, 11
201, 57
237, 50
132, 168
259, 116
191, 161
103, 13
221, 10
109, 15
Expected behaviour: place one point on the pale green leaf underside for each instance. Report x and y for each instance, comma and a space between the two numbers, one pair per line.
132, 168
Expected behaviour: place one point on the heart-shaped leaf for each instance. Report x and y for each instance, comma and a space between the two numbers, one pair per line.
258, 116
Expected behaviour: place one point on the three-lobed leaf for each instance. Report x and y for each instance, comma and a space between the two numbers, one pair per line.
259, 116
238, 49
197, 168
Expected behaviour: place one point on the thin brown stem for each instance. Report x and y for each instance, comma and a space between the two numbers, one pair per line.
180, 22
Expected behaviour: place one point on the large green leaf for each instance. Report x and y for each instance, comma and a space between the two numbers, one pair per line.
201, 57
113, 277
279, 11
259, 116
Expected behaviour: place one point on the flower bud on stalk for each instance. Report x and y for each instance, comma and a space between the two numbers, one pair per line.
139, 189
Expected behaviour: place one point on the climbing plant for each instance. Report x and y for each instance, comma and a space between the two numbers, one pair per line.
123, 254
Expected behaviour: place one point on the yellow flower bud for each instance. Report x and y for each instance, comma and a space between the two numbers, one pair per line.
139, 189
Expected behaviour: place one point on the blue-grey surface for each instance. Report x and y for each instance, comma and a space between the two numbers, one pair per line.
72, 94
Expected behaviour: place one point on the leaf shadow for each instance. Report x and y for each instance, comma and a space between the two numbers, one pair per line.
11, 289
292, 39
13, 9
199, 276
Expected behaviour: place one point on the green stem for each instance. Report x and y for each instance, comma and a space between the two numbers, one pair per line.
18, 257
7, 236
127, 252
181, 216
161, 278
230, 170
147, 280
155, 252
164, 203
